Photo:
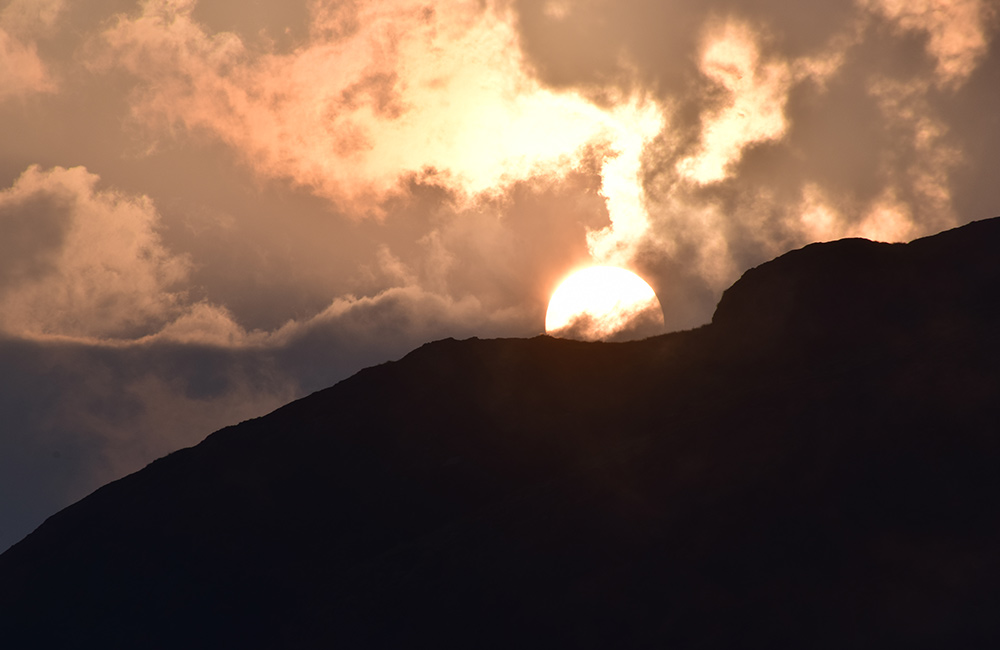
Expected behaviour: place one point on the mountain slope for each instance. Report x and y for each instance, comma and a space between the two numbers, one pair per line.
816, 468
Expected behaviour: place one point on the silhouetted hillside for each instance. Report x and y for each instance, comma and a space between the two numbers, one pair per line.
815, 469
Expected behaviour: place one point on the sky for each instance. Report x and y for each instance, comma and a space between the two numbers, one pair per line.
209, 208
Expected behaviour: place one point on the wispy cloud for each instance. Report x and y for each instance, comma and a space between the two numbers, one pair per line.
22, 71
956, 31
752, 108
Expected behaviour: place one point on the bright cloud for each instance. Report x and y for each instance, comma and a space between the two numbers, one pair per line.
755, 89
396, 90
83, 261
753, 111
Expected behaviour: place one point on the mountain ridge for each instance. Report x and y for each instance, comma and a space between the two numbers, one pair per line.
814, 468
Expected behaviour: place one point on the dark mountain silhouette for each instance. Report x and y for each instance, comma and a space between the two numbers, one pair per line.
818, 468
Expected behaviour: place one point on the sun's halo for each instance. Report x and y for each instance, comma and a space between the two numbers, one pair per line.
602, 303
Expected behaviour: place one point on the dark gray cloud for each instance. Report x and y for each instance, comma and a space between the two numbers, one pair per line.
76, 416
34, 228
79, 414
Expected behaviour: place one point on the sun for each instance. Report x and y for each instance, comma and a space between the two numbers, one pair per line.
601, 303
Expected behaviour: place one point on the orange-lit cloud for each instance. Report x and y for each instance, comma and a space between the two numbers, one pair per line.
622, 185
754, 93
916, 197
80, 261
386, 92
557, 9
399, 313
86, 264
956, 30
748, 112
22, 71
887, 219
753, 109
930, 159
382, 92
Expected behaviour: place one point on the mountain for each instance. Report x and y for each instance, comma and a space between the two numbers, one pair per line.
817, 468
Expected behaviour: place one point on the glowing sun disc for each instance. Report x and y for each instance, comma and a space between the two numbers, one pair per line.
603, 302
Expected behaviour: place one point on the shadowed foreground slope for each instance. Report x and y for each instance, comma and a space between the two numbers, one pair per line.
818, 468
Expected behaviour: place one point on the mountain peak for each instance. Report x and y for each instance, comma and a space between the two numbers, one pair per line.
816, 468
850, 287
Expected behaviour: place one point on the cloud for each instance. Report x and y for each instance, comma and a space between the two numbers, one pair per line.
956, 31
509, 253
203, 323
715, 161
31, 15
22, 71
915, 173
80, 413
382, 92
887, 219
752, 110
86, 262
622, 187
751, 176
409, 314
77, 415
919, 169
557, 9
378, 98
83, 262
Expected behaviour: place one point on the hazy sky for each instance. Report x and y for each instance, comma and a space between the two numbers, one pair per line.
209, 208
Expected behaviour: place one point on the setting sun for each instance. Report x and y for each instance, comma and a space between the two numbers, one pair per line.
603, 302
